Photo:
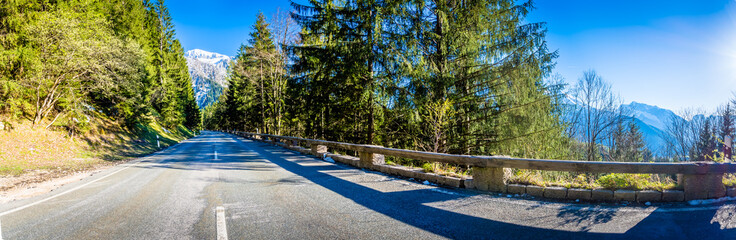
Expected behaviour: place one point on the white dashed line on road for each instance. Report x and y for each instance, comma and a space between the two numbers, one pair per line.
215, 155
221, 224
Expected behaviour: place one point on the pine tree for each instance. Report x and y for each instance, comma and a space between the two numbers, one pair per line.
706, 144
726, 127
259, 54
255, 95
409, 58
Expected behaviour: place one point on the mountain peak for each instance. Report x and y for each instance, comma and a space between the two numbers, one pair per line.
208, 71
636, 104
652, 115
200, 54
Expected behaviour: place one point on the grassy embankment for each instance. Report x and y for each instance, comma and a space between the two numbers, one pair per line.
25, 150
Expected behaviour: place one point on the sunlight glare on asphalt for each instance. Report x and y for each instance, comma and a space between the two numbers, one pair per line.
726, 217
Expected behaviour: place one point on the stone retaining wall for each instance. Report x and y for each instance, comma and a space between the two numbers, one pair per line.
601, 195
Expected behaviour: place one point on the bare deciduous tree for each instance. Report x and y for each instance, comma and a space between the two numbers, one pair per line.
285, 32
681, 134
595, 109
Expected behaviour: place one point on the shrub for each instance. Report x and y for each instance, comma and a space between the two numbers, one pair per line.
623, 181
428, 167
729, 180
635, 182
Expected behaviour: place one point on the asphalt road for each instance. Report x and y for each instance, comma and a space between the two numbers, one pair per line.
271, 193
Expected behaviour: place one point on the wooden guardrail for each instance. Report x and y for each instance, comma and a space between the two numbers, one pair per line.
700, 180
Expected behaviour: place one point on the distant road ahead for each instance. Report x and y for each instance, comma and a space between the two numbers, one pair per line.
267, 192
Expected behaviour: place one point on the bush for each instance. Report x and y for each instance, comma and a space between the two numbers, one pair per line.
428, 167
635, 182
623, 181
729, 180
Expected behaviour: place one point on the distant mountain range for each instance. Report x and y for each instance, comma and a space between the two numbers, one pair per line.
208, 71
652, 122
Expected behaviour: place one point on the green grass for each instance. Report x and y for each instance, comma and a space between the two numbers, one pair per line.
729, 180
612, 181
25, 149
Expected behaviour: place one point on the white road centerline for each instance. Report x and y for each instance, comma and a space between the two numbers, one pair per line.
221, 223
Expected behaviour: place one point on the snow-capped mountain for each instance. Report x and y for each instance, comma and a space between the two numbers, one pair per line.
208, 71
651, 120
652, 115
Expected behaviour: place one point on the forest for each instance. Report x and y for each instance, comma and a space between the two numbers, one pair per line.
64, 61
460, 77
441, 76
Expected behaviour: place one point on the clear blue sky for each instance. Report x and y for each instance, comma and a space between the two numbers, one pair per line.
674, 54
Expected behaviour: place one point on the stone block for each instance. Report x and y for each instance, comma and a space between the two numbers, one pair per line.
673, 196
468, 183
391, 170
624, 195
405, 172
516, 188
367, 160
489, 179
303, 150
648, 196
536, 191
717, 193
318, 150
451, 181
381, 168
582, 194
555, 192
602, 195
702, 186
421, 175
432, 177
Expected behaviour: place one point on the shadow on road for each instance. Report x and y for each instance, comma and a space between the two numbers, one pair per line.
411, 207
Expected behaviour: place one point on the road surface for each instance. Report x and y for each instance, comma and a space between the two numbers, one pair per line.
266, 192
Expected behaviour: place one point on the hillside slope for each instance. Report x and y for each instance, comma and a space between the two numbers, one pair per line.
31, 155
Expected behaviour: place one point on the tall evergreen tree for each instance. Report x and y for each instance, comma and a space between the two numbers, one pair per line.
706, 144
169, 77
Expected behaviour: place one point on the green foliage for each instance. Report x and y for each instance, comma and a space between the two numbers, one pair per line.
634, 182
729, 180
116, 57
406, 74
627, 143
428, 167
611, 181
255, 98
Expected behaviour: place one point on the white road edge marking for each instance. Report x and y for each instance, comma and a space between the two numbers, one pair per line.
78, 187
221, 224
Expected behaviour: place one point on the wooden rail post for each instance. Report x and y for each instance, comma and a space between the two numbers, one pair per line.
702, 186
370, 160
318, 150
489, 179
